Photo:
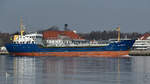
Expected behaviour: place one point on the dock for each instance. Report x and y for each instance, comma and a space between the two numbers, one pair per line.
139, 53
4, 53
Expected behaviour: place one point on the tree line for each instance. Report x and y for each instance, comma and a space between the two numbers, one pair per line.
4, 38
100, 35
106, 35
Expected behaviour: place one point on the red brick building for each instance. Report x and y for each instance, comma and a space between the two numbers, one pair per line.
55, 34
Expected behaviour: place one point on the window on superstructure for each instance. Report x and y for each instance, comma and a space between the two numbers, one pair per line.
32, 42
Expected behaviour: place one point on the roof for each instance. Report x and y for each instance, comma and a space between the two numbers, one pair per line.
53, 34
145, 36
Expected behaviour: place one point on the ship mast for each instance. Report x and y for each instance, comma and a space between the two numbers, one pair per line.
21, 27
118, 29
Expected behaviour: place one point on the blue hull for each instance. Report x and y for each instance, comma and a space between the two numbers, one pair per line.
124, 45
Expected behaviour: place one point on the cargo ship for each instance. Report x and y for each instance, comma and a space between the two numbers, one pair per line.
34, 44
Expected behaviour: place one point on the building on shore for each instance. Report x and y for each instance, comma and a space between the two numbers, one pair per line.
60, 38
3, 50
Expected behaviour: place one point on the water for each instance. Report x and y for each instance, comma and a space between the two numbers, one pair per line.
74, 70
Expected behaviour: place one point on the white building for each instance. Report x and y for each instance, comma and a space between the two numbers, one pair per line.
60, 38
3, 49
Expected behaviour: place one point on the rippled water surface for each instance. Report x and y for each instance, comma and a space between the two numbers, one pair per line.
74, 70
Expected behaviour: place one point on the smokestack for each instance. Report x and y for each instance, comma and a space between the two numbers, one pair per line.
66, 27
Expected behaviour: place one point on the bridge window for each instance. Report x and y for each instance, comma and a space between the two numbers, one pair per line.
33, 42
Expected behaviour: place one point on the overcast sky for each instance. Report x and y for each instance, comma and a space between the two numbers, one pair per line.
81, 15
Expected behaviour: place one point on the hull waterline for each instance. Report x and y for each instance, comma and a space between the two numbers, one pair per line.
81, 54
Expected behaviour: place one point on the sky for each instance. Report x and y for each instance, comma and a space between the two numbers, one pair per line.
80, 15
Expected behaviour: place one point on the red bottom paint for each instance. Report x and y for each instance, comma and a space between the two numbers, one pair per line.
82, 54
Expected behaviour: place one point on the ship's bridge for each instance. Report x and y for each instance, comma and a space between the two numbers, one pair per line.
33, 38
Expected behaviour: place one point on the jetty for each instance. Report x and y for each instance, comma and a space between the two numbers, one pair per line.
4, 53
139, 53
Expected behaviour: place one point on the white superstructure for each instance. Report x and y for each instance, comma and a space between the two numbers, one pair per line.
32, 38
143, 43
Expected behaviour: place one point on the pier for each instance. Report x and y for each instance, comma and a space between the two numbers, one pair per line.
3, 53
139, 53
